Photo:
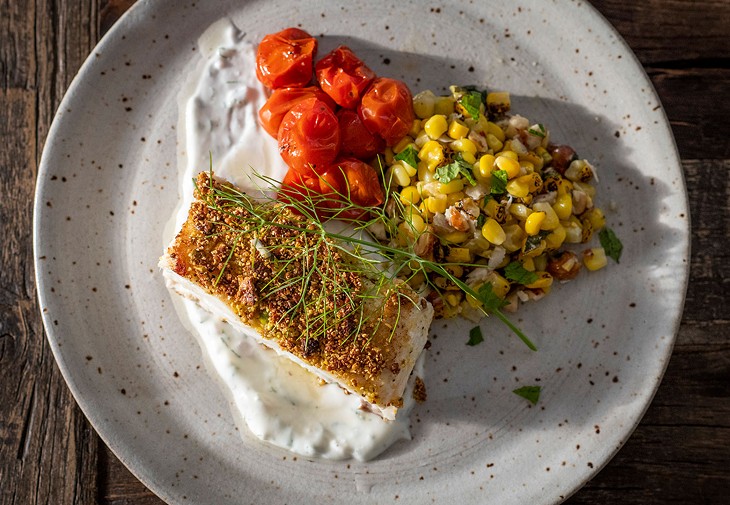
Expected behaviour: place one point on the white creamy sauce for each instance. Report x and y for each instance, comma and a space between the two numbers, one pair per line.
272, 397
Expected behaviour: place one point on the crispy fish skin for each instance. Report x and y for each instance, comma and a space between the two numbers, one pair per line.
340, 325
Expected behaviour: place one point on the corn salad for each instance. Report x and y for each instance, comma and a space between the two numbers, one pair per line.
486, 193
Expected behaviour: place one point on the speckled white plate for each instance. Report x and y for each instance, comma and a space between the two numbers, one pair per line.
108, 182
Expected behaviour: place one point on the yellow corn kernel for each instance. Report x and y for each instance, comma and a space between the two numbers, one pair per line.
533, 223
468, 157
456, 271
457, 129
424, 174
415, 223
544, 154
452, 299
432, 153
452, 186
532, 158
421, 138
527, 200
496, 210
425, 214
556, 238
435, 126
454, 237
444, 105
563, 206
498, 102
544, 280
495, 130
494, 143
454, 198
464, 145
399, 175
529, 264
416, 280
520, 211
493, 232
459, 255
587, 234
402, 144
411, 171
518, 188
500, 285
534, 182
527, 166
573, 230
508, 153
424, 104
579, 171
515, 237
596, 217
415, 128
388, 156
486, 166
512, 167
535, 250
410, 195
588, 189
551, 220
595, 258
436, 204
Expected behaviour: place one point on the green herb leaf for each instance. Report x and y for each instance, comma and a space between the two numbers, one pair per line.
481, 220
529, 393
611, 243
409, 155
447, 173
533, 241
475, 336
489, 298
499, 182
538, 132
518, 273
471, 102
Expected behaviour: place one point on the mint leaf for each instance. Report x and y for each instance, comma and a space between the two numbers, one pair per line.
529, 393
409, 155
447, 173
516, 272
499, 182
471, 102
475, 336
611, 243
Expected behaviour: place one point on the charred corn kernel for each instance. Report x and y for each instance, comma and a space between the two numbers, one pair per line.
411, 171
456, 270
534, 182
544, 280
486, 166
388, 155
424, 174
410, 195
459, 255
496, 210
563, 206
512, 167
565, 187
494, 143
596, 217
529, 264
517, 188
532, 158
492, 231
468, 157
400, 176
452, 186
573, 230
432, 153
436, 204
588, 189
579, 171
527, 200
424, 104
587, 233
416, 280
415, 128
534, 250
556, 238
515, 237
457, 129
495, 130
500, 285
464, 145
533, 223
551, 220
498, 102
444, 105
435, 126
454, 237
520, 211
452, 299
595, 258
402, 144
454, 198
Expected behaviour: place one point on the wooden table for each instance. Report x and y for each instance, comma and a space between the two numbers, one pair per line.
680, 453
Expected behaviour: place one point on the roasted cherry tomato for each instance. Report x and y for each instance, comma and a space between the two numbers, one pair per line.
355, 139
387, 109
360, 185
309, 136
282, 100
284, 59
323, 190
343, 76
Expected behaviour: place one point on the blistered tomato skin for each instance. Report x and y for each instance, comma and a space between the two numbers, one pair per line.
285, 58
355, 139
282, 100
361, 187
343, 76
309, 136
387, 109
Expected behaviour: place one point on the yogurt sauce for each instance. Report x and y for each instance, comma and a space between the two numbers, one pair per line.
277, 400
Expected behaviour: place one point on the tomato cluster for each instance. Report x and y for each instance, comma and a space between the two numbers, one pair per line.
327, 131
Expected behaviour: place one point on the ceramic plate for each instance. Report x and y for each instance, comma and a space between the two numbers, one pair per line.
108, 183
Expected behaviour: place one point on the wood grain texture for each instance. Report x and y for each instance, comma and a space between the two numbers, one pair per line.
680, 453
